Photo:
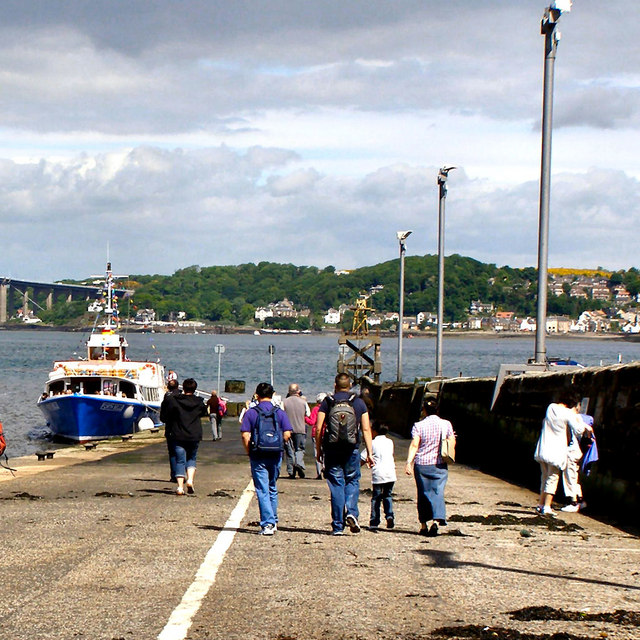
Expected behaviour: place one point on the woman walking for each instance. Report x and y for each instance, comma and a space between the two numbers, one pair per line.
425, 463
184, 413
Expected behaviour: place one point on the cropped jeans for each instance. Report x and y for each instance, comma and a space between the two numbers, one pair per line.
342, 471
186, 452
430, 483
265, 470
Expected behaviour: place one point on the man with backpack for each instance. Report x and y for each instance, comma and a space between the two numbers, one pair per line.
264, 429
341, 418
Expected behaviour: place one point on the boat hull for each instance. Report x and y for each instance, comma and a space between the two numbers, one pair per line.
81, 418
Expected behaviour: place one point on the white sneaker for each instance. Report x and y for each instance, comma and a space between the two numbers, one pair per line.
545, 511
268, 530
571, 508
352, 522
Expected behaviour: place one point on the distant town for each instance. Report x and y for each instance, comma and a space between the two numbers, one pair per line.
622, 315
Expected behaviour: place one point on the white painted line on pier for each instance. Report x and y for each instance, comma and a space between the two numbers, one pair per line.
180, 621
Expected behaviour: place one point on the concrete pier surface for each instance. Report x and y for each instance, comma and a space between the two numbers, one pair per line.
96, 545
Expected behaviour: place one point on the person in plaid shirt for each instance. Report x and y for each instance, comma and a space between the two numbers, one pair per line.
425, 464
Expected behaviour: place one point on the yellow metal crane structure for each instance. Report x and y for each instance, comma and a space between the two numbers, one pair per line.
354, 358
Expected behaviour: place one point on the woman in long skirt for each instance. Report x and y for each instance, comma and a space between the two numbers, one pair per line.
425, 463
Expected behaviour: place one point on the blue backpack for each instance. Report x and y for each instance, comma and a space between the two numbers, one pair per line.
266, 435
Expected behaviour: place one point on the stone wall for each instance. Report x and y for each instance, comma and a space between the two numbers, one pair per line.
502, 441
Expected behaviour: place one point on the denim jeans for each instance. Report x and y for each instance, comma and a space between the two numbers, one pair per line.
186, 452
171, 448
294, 452
430, 482
381, 494
265, 470
342, 471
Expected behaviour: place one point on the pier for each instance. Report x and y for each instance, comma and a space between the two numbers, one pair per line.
96, 545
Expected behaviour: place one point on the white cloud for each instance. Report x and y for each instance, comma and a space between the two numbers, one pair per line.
181, 132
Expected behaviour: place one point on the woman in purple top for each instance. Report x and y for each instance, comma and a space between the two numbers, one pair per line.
425, 463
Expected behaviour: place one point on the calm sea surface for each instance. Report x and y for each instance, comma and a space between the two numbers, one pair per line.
26, 358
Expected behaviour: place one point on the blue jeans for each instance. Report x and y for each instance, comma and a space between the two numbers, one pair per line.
342, 471
430, 482
186, 452
265, 470
381, 494
171, 448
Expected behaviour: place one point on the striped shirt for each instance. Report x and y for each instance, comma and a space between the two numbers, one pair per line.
430, 431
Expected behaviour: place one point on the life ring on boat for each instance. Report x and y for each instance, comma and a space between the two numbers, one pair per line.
151, 367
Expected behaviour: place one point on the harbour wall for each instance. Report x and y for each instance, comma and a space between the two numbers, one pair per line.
502, 441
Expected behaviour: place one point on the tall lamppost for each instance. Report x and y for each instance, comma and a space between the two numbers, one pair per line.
272, 350
443, 174
219, 349
402, 236
551, 37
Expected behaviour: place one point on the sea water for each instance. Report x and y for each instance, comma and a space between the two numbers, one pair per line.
310, 360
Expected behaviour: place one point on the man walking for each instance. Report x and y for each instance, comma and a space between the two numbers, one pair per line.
297, 409
264, 431
341, 419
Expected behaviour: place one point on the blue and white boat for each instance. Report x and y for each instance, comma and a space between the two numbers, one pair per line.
106, 394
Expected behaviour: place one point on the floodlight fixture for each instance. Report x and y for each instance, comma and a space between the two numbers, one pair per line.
403, 235
561, 6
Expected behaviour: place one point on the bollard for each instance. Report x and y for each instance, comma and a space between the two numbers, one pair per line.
125, 438
154, 430
90, 445
44, 454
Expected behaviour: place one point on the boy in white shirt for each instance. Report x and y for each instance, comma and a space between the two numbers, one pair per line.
383, 477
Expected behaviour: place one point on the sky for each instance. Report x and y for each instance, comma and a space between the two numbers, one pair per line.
166, 134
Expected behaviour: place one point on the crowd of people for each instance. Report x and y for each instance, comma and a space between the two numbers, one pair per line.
346, 436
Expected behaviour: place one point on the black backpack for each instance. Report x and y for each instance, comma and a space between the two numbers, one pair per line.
266, 435
341, 422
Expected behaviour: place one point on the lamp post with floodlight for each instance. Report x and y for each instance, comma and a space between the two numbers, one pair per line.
551, 37
402, 237
443, 174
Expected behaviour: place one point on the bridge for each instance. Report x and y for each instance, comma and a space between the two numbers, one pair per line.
27, 294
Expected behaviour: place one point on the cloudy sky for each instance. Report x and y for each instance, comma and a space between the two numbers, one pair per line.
227, 131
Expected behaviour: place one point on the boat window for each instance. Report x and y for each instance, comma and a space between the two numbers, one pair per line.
127, 389
91, 385
95, 353
56, 388
109, 388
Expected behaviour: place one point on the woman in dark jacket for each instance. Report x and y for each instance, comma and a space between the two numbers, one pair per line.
184, 412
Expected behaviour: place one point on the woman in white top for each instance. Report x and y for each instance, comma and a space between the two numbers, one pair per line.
552, 450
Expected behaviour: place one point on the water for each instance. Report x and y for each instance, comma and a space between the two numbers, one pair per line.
26, 358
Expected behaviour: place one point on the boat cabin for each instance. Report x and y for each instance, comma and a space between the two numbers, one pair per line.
92, 386
107, 346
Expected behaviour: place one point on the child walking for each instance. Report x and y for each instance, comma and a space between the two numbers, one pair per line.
383, 477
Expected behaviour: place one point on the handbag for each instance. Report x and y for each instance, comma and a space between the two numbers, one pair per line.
447, 446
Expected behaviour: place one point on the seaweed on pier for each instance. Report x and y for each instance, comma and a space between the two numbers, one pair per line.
553, 524
23, 496
620, 616
477, 632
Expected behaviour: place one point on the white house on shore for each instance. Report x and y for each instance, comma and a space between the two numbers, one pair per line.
332, 316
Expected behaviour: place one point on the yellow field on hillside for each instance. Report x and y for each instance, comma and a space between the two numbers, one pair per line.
590, 273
